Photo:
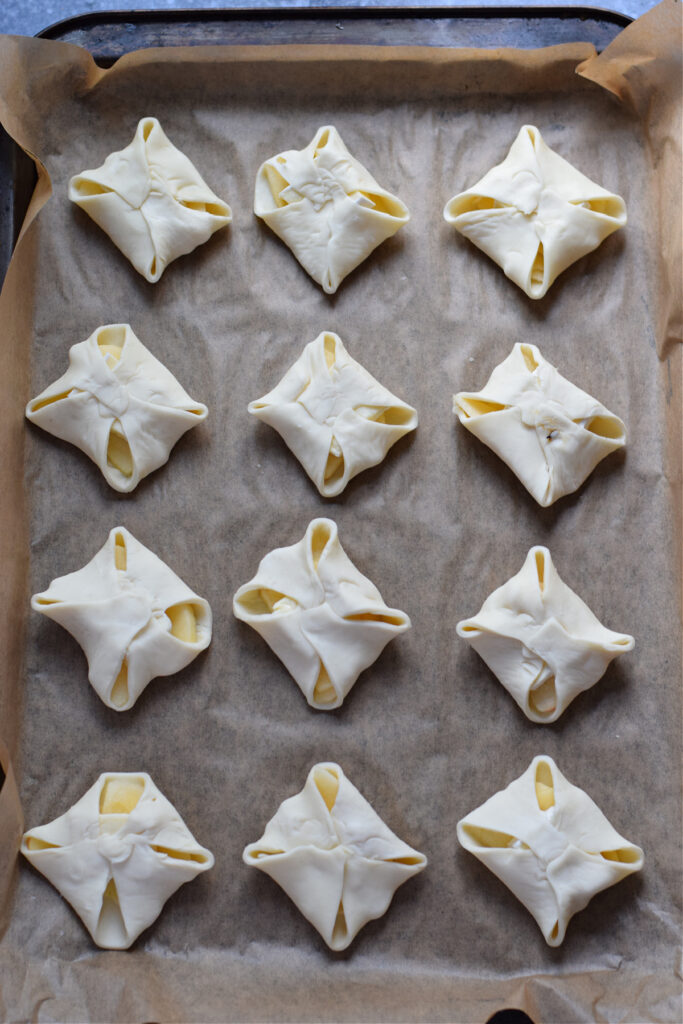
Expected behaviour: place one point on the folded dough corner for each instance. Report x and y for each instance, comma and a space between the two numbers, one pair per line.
541, 641
333, 415
151, 201
550, 844
132, 616
117, 855
326, 207
550, 433
334, 856
323, 618
119, 405
534, 214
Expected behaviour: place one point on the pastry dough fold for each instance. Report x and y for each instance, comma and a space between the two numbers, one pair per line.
551, 434
334, 856
117, 855
333, 415
151, 201
540, 639
535, 214
549, 843
326, 207
323, 618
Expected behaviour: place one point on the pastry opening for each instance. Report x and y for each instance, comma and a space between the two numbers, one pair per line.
625, 855
545, 787
153, 267
119, 695
556, 930
197, 410
606, 206
40, 844
110, 341
120, 552
473, 203
40, 403
277, 184
198, 858
323, 139
477, 406
540, 568
624, 641
262, 601
393, 415
147, 127
121, 794
610, 427
40, 600
488, 838
537, 269
111, 929
340, 932
412, 860
330, 348
256, 853
467, 627
388, 205
217, 209
532, 132
334, 467
323, 691
119, 454
530, 360
543, 698
319, 540
184, 621
388, 619
327, 781
85, 189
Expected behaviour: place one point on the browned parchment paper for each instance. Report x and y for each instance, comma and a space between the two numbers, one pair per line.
427, 733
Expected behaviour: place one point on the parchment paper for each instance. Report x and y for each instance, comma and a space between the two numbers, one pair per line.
427, 734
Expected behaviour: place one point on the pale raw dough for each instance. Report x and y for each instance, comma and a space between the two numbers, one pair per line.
335, 417
334, 856
322, 618
117, 855
119, 405
541, 641
133, 617
151, 201
535, 214
326, 207
550, 433
550, 844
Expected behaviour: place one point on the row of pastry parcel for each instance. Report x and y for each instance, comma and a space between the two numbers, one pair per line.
534, 213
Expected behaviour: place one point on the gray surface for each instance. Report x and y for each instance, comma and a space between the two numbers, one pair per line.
29, 17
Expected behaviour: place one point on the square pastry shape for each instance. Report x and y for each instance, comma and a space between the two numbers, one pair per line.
334, 856
117, 855
535, 214
326, 207
322, 618
333, 415
550, 433
540, 639
133, 617
550, 844
119, 405
151, 201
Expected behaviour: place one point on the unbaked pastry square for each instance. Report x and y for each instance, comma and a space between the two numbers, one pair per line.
549, 843
151, 201
323, 618
117, 855
535, 214
334, 856
333, 415
326, 207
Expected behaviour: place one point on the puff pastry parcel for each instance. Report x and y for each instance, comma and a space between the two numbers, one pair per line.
335, 417
334, 856
322, 618
326, 207
119, 405
550, 844
535, 214
541, 641
117, 855
550, 433
133, 617
151, 201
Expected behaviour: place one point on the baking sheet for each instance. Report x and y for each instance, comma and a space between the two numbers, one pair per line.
427, 733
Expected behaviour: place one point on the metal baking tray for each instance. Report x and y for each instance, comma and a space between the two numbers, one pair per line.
110, 34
